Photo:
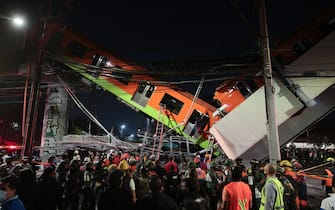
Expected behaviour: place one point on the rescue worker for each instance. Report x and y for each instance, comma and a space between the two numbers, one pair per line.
273, 191
290, 194
330, 170
236, 195
128, 182
301, 184
301, 189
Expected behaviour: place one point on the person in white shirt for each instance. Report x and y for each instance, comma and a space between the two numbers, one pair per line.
329, 202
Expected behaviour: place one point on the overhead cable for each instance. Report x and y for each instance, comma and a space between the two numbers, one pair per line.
89, 115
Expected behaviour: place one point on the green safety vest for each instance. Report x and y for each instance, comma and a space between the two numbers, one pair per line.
279, 202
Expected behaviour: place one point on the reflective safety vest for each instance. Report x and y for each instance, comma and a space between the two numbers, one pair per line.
279, 202
329, 180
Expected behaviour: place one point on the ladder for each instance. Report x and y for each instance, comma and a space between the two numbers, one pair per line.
159, 131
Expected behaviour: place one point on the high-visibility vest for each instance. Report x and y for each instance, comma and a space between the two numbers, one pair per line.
279, 202
329, 180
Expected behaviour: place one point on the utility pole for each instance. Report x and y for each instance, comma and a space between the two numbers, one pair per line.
273, 138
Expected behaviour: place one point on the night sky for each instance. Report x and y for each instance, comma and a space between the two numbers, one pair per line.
147, 32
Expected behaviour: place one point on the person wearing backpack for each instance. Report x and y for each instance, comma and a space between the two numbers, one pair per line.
290, 194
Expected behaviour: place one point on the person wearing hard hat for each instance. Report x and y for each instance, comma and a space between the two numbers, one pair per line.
293, 178
128, 182
287, 165
291, 199
330, 170
301, 185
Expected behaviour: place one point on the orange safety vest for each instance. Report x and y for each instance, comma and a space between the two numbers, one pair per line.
292, 174
329, 180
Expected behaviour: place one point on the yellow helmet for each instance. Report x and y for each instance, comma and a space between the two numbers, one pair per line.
330, 159
285, 163
123, 165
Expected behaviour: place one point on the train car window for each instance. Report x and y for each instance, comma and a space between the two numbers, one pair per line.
195, 116
171, 103
141, 88
150, 91
98, 60
252, 84
77, 49
204, 120
196, 123
143, 93
243, 89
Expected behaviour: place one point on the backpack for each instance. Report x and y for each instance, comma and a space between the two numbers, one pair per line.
290, 194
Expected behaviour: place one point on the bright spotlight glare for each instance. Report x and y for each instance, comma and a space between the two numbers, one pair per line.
18, 21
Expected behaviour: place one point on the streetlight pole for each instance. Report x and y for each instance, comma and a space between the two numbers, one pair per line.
20, 22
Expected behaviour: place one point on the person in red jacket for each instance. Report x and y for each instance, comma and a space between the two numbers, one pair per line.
171, 163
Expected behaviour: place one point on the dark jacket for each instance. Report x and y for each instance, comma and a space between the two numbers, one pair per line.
13, 204
156, 201
48, 194
115, 199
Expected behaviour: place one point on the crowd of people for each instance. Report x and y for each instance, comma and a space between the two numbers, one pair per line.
120, 180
